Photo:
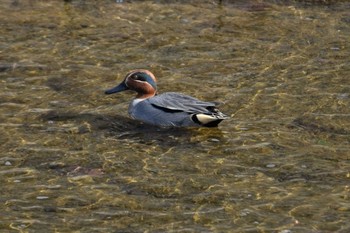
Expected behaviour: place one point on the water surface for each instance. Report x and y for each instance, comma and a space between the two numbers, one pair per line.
73, 161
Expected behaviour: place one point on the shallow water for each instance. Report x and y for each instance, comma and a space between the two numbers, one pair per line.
73, 161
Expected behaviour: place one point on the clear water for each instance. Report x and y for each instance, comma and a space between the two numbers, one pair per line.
73, 161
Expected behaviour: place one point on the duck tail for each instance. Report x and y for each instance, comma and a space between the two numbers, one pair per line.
209, 120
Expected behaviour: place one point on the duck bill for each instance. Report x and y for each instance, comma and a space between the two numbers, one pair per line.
119, 88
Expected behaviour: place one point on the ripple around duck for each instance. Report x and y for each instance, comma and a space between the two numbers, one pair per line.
71, 159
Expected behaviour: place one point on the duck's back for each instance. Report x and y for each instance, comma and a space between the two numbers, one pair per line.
180, 102
173, 109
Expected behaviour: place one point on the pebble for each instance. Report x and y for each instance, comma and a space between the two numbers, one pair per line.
286, 231
343, 96
8, 163
56, 165
214, 140
50, 209
244, 213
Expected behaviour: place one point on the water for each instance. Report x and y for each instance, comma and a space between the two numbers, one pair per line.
73, 161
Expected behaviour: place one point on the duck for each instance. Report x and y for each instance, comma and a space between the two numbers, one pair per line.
169, 109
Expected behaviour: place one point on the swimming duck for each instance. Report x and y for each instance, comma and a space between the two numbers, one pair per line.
167, 109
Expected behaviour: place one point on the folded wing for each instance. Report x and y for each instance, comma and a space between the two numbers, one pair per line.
172, 101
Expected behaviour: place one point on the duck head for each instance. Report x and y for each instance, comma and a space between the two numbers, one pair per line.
141, 81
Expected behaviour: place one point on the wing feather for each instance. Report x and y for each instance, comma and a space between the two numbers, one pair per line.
180, 102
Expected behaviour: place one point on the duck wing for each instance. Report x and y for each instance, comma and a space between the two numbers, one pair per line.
173, 101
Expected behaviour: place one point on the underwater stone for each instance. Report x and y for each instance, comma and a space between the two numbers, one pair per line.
8, 163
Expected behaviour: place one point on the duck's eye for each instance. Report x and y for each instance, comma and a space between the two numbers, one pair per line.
138, 77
